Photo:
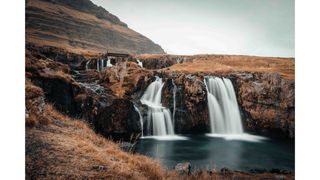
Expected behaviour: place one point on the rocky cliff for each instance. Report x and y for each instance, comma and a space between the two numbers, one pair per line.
106, 99
81, 26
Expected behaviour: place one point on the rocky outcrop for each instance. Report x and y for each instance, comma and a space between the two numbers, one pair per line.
162, 61
82, 27
266, 100
118, 120
83, 98
268, 103
191, 112
106, 99
55, 54
183, 168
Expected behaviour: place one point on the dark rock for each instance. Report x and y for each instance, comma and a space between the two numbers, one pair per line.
183, 168
257, 170
119, 120
276, 171
225, 170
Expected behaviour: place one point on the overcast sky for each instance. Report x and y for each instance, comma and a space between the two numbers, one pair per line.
246, 27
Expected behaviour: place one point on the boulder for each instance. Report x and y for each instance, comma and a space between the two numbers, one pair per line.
183, 168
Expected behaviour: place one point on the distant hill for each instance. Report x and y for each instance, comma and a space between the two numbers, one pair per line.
82, 27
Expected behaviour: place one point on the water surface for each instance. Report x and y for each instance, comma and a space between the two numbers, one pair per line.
205, 152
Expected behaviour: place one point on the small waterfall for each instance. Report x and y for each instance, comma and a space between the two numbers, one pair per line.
87, 64
109, 62
141, 119
102, 64
174, 101
224, 112
140, 63
178, 60
158, 115
98, 66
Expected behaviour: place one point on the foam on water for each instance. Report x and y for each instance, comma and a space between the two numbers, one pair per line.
166, 138
239, 137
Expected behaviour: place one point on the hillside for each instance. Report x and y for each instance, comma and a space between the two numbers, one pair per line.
82, 27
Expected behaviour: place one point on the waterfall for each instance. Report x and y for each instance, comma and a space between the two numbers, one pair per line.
141, 119
224, 112
109, 62
102, 64
178, 60
174, 101
98, 67
158, 116
87, 65
140, 63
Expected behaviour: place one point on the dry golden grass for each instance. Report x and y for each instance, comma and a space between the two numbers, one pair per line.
33, 104
233, 63
74, 151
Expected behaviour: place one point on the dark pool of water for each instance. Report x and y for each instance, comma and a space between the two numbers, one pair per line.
207, 152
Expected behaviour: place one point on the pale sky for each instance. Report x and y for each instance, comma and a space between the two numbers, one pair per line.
245, 27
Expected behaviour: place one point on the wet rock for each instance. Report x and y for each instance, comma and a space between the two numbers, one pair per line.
225, 170
191, 112
183, 168
119, 120
277, 171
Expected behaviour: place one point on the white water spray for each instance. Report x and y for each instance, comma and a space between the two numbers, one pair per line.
140, 63
224, 112
158, 115
87, 65
109, 62
141, 119
102, 64
174, 101
98, 67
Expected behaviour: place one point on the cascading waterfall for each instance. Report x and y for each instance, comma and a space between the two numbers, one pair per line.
98, 66
158, 115
87, 65
141, 119
140, 63
109, 62
174, 101
102, 64
224, 112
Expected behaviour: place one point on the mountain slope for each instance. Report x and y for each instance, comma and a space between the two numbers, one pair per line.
82, 27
